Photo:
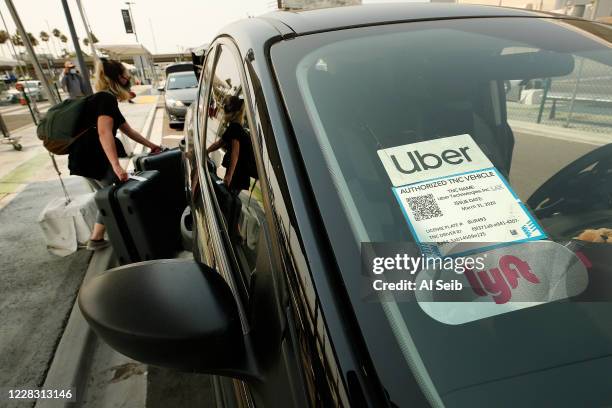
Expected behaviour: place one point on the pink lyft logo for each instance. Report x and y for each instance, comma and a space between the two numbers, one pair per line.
499, 282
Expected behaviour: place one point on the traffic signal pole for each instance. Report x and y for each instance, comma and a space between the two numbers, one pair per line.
77, 48
26, 41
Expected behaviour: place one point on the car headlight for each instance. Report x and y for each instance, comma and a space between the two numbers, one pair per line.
174, 102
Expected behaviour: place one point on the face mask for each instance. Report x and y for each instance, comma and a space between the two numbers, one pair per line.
72, 71
127, 85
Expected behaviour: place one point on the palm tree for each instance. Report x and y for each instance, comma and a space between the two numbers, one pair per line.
17, 41
45, 38
4, 37
33, 40
56, 35
93, 37
64, 39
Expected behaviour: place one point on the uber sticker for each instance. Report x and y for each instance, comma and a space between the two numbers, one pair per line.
454, 194
476, 207
421, 161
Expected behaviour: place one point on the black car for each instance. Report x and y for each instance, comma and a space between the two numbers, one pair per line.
274, 304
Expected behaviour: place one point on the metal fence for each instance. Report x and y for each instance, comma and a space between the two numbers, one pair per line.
581, 100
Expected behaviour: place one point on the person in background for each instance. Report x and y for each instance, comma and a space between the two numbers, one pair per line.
72, 82
95, 155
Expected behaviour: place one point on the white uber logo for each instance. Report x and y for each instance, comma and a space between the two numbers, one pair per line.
422, 161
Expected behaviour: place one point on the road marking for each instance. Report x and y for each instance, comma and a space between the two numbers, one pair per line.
12, 181
145, 99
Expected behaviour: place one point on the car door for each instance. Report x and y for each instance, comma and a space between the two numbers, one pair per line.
242, 243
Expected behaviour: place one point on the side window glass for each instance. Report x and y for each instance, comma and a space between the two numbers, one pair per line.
231, 161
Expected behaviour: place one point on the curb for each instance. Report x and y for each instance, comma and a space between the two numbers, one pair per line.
559, 133
70, 363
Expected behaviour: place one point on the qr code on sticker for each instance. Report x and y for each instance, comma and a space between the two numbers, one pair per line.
424, 207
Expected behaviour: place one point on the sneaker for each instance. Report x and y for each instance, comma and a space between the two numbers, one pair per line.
94, 245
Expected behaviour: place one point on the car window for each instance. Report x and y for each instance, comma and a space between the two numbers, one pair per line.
232, 163
182, 81
385, 117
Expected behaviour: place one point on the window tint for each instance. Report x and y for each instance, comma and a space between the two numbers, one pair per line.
231, 161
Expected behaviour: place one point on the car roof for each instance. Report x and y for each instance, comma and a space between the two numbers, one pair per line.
309, 21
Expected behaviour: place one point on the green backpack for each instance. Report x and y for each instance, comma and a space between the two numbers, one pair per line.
58, 129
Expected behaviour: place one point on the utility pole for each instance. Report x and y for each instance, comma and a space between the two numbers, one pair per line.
26, 40
142, 68
77, 48
129, 4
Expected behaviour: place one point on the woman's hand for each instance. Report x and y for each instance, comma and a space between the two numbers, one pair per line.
155, 148
120, 172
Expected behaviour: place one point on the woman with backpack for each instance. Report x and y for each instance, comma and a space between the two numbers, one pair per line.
95, 154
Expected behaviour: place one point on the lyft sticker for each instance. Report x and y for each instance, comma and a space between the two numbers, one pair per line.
513, 278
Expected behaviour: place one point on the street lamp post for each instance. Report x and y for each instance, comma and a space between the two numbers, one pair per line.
129, 4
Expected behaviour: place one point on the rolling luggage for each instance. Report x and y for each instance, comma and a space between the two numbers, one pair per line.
116, 227
134, 213
170, 164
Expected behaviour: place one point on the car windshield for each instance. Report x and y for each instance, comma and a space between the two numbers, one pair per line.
182, 81
386, 117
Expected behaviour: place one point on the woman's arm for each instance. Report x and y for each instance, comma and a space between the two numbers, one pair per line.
233, 161
137, 137
107, 140
215, 146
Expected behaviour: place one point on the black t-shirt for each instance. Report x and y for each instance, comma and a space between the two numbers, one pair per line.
246, 161
87, 157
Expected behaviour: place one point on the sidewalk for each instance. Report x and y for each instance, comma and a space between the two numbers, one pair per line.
18, 168
44, 339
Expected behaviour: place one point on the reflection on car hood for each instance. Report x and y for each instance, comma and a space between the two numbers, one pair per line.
185, 95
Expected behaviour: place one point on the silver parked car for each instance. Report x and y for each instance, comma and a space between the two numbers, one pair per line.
181, 90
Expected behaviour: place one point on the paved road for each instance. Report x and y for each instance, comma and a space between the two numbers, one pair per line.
538, 158
38, 289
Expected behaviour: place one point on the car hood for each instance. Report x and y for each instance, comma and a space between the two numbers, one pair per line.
184, 95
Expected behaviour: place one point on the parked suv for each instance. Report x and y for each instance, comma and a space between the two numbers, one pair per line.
274, 304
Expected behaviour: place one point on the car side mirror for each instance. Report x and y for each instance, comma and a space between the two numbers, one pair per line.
175, 313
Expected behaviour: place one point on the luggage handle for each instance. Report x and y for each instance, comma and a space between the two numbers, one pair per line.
137, 178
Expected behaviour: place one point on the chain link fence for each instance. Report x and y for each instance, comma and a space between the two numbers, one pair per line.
581, 100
